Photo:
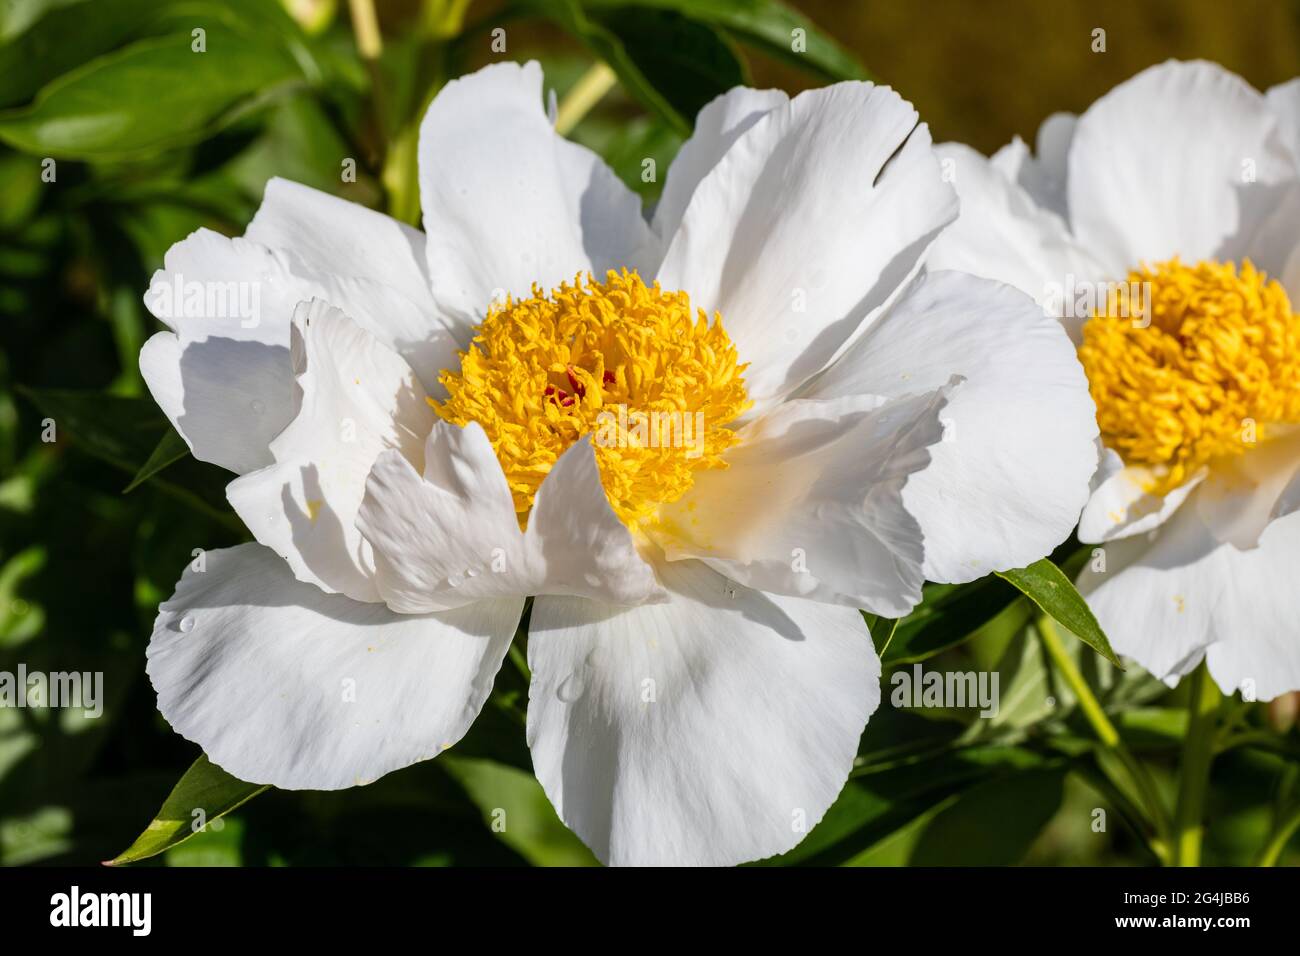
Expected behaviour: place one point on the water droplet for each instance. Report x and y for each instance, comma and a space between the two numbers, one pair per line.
454, 581
257, 407
187, 623
471, 572
571, 689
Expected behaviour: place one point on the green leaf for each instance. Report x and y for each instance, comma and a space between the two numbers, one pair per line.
950, 615
111, 106
205, 788
1027, 694
62, 38
516, 809
883, 630
20, 619
39, 47
626, 144
22, 192
221, 845
300, 142
1044, 584
977, 830
121, 431
169, 450
767, 24
125, 432
606, 45
876, 805
1152, 727
29, 838
688, 63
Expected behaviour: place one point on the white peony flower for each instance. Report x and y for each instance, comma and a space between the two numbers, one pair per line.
1161, 227
426, 429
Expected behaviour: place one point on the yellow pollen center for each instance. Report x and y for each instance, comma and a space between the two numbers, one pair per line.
626, 363
1217, 366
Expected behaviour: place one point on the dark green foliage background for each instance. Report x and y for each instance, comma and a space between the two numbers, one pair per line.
152, 142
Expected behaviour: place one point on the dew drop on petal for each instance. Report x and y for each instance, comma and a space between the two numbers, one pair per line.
187, 623
571, 689
471, 572
454, 581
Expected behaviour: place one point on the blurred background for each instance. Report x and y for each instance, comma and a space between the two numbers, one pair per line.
117, 140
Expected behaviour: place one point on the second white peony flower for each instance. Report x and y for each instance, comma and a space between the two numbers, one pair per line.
1160, 227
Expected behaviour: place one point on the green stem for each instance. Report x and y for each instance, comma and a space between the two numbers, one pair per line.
1286, 826
443, 19
1088, 702
583, 95
400, 176
1108, 735
1198, 752
520, 661
365, 26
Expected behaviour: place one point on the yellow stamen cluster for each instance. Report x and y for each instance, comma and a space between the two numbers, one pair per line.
542, 372
1218, 364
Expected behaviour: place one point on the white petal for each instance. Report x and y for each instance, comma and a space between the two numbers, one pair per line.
1257, 648
1175, 131
451, 536
222, 375
227, 398
509, 202
1120, 505
1284, 101
327, 235
1242, 495
1157, 594
723, 121
1178, 594
204, 262
369, 265
358, 398
282, 684
1004, 234
1042, 176
811, 503
809, 223
709, 731
1006, 484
